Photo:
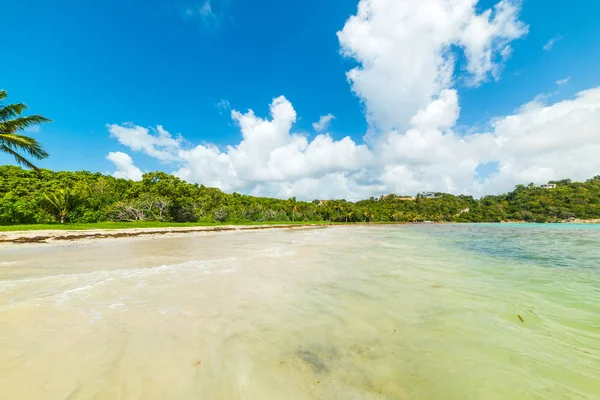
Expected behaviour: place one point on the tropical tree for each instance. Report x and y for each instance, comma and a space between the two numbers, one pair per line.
14, 143
293, 204
60, 201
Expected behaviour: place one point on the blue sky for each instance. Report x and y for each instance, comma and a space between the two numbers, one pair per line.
170, 63
144, 62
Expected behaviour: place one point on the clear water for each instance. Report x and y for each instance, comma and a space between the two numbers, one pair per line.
395, 312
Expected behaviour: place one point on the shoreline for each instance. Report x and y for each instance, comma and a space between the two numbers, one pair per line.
57, 237
64, 236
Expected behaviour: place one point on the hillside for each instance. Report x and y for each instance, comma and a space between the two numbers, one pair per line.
83, 197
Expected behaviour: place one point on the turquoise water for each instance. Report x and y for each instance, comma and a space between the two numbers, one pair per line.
384, 312
552, 245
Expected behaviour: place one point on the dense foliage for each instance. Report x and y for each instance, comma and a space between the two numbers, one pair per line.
29, 197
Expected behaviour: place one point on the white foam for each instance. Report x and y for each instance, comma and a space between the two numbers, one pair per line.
228, 270
280, 251
62, 289
118, 306
3, 263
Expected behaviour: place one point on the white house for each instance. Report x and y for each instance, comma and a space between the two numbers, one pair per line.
428, 195
549, 186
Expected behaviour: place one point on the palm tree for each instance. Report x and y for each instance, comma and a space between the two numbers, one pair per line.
11, 142
61, 201
293, 204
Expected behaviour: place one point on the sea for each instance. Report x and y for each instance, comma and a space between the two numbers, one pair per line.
465, 311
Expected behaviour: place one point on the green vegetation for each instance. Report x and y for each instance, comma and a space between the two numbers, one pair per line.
567, 201
83, 200
13, 143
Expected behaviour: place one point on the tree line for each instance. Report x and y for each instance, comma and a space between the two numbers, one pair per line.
44, 196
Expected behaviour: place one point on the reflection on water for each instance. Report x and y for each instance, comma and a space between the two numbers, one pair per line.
398, 312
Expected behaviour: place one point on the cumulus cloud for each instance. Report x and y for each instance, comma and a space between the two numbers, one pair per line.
563, 81
268, 156
441, 113
157, 143
550, 142
407, 51
538, 143
125, 167
270, 152
323, 123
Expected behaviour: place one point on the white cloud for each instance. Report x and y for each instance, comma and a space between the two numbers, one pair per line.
158, 143
407, 56
323, 123
563, 81
550, 142
405, 79
537, 143
441, 113
550, 43
485, 36
268, 154
125, 167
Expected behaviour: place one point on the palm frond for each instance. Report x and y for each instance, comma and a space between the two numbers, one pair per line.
11, 111
12, 143
52, 200
23, 143
21, 123
19, 158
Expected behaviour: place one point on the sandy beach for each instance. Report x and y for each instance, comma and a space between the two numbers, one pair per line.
67, 237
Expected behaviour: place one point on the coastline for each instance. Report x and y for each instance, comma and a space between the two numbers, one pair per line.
62, 237
66, 236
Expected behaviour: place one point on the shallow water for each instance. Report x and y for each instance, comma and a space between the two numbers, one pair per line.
395, 312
